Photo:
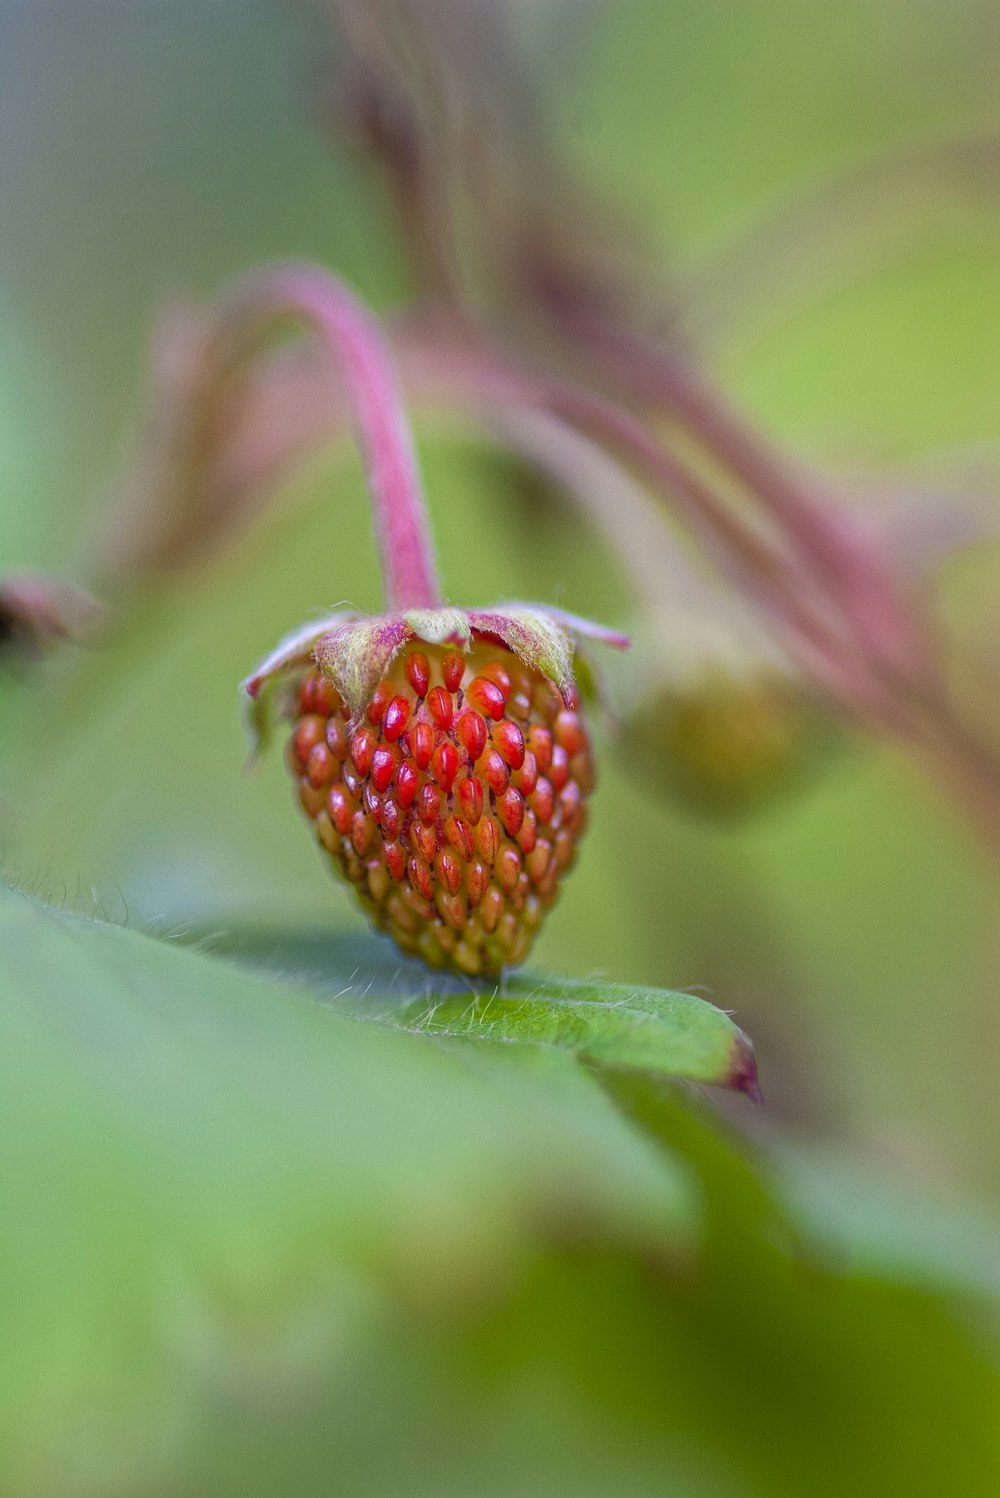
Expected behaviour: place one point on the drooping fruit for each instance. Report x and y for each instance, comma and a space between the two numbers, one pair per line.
438, 751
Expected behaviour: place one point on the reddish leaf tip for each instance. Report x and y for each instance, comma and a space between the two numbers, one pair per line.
742, 1074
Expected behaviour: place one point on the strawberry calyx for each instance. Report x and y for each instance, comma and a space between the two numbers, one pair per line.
355, 652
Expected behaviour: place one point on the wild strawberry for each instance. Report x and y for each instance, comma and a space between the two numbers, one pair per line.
433, 811
440, 754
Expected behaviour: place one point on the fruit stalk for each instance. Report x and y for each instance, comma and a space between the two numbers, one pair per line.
365, 367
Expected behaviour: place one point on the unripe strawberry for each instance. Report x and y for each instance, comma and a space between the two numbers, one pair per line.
423, 793
729, 745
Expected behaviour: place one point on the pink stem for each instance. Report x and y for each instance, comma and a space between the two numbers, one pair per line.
364, 363
828, 539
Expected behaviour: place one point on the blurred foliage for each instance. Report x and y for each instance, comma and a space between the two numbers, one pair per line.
253, 1245
729, 746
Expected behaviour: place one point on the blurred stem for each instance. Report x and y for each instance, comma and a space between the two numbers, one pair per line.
617, 506
829, 546
360, 352
381, 120
822, 231
472, 376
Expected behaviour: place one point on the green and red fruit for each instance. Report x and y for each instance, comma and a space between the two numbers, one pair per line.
446, 777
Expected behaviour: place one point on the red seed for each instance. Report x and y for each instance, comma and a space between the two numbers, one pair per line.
510, 808
308, 733
452, 908
543, 800
341, 809
471, 799
429, 802
379, 880
327, 834
449, 871
362, 832
362, 749
310, 797
570, 800
488, 840
559, 771
418, 672
519, 706
392, 818
326, 697
395, 719
537, 861
459, 834
440, 707
527, 777
495, 772
452, 671
508, 739
372, 802
425, 839
355, 783
337, 740
422, 744
378, 704
307, 694
491, 909
472, 733
496, 673
320, 765
487, 697
445, 765
528, 835
383, 768
564, 850
569, 731
476, 880
508, 868
540, 744
420, 877
407, 785
395, 861
548, 884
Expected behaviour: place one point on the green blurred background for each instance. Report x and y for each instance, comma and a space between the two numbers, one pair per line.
154, 150
151, 149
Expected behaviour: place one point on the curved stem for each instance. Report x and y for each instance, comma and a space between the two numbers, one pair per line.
364, 365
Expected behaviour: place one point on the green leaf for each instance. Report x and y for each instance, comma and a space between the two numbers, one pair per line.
604, 1024
252, 1245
